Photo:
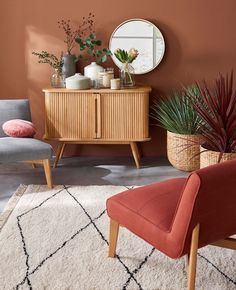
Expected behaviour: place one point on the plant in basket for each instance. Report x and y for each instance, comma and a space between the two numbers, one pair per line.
177, 115
217, 108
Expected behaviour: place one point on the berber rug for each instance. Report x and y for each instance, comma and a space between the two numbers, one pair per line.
58, 239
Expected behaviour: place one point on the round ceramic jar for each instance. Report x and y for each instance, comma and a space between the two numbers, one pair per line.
78, 82
92, 71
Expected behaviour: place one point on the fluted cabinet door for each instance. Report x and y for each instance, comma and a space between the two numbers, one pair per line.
70, 115
124, 116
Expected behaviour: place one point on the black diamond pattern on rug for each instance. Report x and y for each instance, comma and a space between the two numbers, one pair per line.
30, 271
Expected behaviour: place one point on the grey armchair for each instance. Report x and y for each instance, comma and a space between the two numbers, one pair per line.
22, 149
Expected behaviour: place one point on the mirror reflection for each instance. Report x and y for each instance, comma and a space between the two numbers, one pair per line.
143, 36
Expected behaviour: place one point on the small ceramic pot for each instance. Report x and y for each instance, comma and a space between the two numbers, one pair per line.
78, 82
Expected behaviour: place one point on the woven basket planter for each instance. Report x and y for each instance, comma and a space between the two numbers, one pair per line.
183, 151
209, 157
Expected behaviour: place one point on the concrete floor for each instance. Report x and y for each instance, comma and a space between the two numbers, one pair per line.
87, 171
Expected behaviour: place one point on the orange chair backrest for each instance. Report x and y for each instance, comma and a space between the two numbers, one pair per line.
209, 198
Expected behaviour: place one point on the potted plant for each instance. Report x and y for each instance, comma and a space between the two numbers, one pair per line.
217, 107
57, 78
85, 28
177, 115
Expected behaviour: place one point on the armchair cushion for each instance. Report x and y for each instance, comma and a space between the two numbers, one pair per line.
21, 149
149, 211
19, 128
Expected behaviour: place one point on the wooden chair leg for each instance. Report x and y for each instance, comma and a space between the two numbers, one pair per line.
193, 259
228, 243
135, 153
113, 236
48, 174
59, 154
33, 165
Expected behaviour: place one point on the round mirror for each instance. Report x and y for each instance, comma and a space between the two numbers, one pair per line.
143, 36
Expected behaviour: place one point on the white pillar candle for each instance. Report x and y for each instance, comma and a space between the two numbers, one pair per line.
115, 84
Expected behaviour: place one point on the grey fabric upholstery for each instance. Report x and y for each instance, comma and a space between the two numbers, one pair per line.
21, 149
13, 109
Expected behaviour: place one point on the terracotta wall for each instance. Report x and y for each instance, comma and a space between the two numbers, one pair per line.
200, 42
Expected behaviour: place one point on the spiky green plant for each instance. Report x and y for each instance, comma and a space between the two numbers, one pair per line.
176, 113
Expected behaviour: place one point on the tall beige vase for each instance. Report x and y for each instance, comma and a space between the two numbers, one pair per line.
209, 157
183, 151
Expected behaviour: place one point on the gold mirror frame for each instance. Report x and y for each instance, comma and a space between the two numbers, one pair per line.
157, 62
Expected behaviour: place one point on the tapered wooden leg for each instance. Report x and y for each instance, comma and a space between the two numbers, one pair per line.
135, 153
59, 154
48, 174
193, 259
33, 165
140, 151
113, 236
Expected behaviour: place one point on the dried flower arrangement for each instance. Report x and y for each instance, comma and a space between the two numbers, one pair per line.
84, 35
85, 28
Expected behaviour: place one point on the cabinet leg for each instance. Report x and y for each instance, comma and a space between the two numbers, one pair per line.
135, 153
140, 151
59, 154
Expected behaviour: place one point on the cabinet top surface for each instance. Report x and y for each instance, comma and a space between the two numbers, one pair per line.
135, 89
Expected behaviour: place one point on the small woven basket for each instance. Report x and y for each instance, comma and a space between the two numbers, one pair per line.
183, 151
209, 157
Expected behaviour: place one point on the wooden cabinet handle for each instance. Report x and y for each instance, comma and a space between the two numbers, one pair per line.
95, 117
99, 116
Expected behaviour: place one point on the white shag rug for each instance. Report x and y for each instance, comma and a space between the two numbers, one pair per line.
58, 239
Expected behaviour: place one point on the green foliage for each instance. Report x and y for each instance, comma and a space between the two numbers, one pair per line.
49, 58
91, 46
176, 113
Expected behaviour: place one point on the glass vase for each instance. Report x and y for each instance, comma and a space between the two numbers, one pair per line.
57, 79
127, 75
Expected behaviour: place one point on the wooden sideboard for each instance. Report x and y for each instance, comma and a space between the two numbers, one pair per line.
102, 116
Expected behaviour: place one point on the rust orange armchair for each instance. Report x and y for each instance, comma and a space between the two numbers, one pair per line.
180, 215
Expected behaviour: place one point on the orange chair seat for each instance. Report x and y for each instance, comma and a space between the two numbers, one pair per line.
148, 211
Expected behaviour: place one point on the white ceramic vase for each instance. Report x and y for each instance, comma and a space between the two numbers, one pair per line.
92, 71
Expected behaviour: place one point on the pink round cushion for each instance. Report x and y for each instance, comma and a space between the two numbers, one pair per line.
19, 128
